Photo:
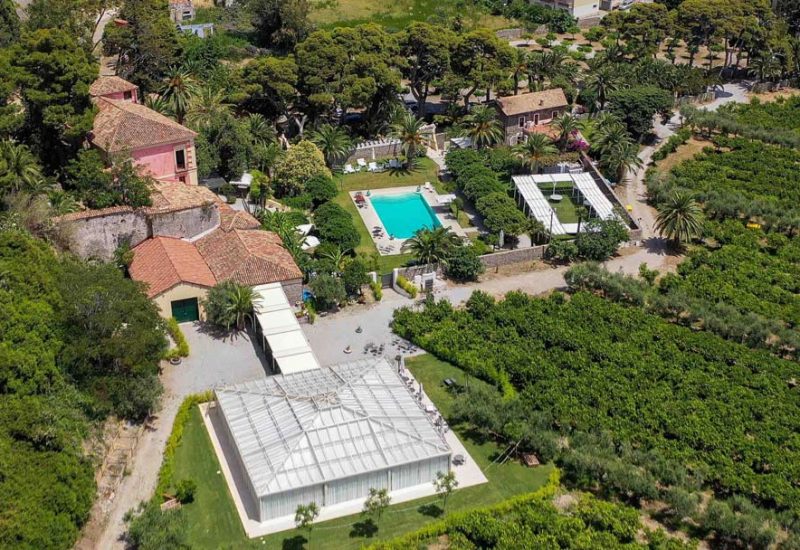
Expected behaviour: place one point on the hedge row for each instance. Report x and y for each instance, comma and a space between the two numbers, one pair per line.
166, 472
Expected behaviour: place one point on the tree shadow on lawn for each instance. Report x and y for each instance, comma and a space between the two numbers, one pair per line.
297, 542
364, 529
432, 510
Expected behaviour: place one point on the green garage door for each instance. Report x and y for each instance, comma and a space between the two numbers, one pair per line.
185, 310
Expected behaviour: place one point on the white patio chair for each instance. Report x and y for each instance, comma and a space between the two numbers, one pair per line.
373, 167
348, 169
361, 163
394, 163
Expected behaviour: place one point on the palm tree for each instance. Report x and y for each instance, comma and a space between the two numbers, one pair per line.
19, 169
432, 246
531, 153
566, 125
205, 105
62, 203
679, 218
178, 89
239, 304
260, 129
482, 127
408, 129
337, 258
601, 83
158, 104
535, 230
621, 159
583, 214
334, 143
519, 67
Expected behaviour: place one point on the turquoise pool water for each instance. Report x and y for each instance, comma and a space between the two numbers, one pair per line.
403, 215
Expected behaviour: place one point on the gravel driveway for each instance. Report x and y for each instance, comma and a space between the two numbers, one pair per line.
214, 361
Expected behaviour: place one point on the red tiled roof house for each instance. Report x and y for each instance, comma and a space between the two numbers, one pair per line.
178, 273
518, 113
162, 148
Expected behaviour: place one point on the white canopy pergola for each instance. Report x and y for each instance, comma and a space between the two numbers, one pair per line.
282, 337
536, 204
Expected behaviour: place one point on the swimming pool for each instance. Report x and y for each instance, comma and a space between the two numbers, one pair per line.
405, 214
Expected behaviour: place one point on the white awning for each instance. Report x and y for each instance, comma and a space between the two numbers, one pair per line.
286, 339
537, 204
599, 202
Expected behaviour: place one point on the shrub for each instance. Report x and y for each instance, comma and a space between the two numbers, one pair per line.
165, 480
464, 264
321, 189
377, 291
181, 348
328, 291
303, 201
153, 529
408, 286
601, 239
561, 251
335, 225
354, 276
184, 490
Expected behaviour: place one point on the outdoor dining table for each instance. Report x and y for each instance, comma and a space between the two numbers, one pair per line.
556, 197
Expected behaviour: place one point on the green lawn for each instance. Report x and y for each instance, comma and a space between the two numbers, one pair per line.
425, 170
566, 208
395, 15
212, 518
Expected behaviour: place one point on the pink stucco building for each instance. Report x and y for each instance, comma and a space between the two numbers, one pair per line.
157, 144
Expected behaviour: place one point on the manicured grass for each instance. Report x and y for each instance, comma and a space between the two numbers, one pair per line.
395, 15
425, 170
214, 523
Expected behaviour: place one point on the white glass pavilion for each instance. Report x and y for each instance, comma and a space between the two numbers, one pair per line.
328, 435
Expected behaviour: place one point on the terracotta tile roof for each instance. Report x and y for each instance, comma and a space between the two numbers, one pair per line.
125, 126
170, 196
106, 85
166, 197
163, 262
534, 101
247, 256
236, 219
89, 213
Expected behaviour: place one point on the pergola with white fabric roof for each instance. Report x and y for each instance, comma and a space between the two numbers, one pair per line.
329, 435
536, 204
529, 189
279, 333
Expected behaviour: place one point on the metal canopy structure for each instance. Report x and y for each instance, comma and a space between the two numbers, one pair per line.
536, 204
327, 435
280, 332
592, 194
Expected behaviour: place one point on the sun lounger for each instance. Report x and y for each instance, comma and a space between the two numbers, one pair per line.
361, 163
348, 169
373, 167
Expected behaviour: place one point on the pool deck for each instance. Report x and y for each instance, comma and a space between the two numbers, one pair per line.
387, 246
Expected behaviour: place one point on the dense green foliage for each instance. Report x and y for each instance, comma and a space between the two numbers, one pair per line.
79, 341
335, 225
586, 365
533, 521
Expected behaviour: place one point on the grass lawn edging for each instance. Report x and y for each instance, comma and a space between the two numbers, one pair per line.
166, 473
417, 538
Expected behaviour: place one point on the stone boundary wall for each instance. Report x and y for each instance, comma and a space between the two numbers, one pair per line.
372, 150
516, 256
690, 99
